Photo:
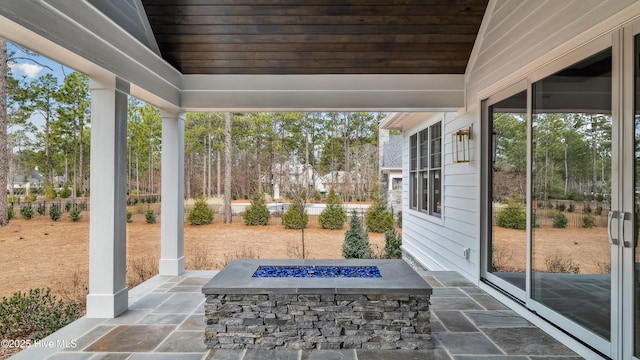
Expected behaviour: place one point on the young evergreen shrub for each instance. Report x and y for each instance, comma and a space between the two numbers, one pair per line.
31, 197
392, 244
129, 216
296, 216
560, 221
49, 193
41, 209
54, 212
34, 315
257, 213
333, 216
356, 241
562, 207
75, 214
571, 208
150, 216
65, 192
26, 212
588, 221
10, 213
379, 219
201, 214
513, 216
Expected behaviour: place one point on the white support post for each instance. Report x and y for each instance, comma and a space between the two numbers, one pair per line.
172, 207
108, 294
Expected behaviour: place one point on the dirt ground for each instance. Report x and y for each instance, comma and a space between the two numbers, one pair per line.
42, 253
588, 248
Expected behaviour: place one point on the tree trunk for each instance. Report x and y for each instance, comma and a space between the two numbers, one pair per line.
227, 168
81, 158
4, 156
218, 172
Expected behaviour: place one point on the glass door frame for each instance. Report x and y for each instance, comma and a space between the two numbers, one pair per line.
628, 227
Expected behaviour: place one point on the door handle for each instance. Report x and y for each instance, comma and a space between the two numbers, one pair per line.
624, 216
612, 214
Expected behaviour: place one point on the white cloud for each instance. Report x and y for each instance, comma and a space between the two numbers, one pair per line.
30, 70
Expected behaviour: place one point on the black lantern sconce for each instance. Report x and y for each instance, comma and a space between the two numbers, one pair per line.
460, 142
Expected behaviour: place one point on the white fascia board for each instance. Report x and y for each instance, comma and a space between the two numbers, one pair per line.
322, 92
81, 37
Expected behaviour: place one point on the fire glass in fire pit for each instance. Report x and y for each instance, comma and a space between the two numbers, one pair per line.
317, 272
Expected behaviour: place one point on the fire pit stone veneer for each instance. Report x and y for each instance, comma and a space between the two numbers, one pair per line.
387, 312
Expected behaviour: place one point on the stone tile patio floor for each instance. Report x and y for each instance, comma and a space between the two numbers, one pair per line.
165, 320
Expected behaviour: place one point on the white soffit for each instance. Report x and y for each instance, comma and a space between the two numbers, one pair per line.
403, 120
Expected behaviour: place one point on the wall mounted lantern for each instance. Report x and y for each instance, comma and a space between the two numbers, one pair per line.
460, 142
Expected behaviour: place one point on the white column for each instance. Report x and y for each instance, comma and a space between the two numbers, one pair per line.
172, 207
108, 295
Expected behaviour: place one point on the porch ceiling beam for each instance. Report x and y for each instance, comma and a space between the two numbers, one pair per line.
322, 92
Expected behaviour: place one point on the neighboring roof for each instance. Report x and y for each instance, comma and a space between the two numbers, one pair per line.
392, 152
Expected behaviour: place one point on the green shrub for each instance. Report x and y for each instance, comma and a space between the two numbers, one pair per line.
129, 216
49, 193
392, 244
41, 209
13, 199
75, 214
34, 315
65, 192
10, 212
587, 209
560, 221
150, 216
295, 217
54, 212
31, 197
379, 219
562, 207
588, 221
513, 216
356, 241
571, 208
201, 214
257, 213
26, 212
399, 219
333, 216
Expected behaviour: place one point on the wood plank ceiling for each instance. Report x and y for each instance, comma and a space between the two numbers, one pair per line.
316, 36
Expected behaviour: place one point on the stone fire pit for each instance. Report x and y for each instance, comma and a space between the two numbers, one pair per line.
317, 304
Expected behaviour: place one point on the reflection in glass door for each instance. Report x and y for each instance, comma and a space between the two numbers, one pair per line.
571, 193
508, 237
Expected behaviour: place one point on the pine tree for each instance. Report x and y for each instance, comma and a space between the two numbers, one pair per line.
333, 216
257, 213
356, 241
296, 217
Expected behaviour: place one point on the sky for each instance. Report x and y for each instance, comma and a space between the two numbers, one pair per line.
22, 67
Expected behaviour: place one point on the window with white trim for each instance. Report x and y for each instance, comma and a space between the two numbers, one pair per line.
425, 170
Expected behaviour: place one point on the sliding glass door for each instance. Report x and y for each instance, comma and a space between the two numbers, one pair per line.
571, 193
554, 194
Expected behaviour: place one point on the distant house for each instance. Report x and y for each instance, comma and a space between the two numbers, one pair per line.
289, 177
34, 179
391, 167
